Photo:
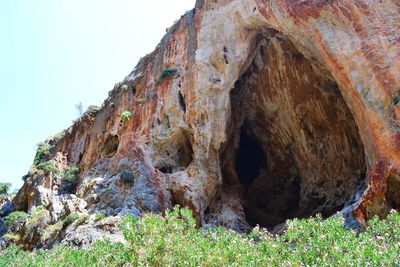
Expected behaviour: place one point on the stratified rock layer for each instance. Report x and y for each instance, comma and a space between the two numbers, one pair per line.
249, 112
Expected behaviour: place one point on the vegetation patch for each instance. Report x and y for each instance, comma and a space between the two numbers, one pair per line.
38, 217
52, 231
81, 220
125, 87
15, 218
126, 116
48, 166
71, 173
41, 152
166, 73
100, 216
174, 240
14, 238
70, 219
4, 187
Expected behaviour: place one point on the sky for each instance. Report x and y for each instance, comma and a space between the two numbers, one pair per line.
55, 54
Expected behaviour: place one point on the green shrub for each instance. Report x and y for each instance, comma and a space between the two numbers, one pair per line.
126, 116
70, 219
41, 152
52, 231
70, 173
100, 216
37, 217
174, 240
82, 219
4, 187
165, 74
15, 218
125, 87
48, 166
395, 101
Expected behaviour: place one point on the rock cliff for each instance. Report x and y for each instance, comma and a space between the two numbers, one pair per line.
248, 112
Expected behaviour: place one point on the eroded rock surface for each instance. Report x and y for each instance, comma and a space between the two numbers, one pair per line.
249, 112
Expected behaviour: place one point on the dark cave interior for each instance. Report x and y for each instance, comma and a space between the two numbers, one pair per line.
293, 147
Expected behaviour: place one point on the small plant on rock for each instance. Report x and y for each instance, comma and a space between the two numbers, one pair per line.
166, 73
15, 219
4, 187
125, 87
70, 219
81, 220
47, 166
71, 173
126, 116
41, 152
100, 216
52, 231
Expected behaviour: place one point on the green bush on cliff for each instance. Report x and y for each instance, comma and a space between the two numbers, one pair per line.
41, 152
4, 187
82, 219
100, 216
174, 240
71, 173
70, 219
126, 116
48, 166
165, 73
15, 218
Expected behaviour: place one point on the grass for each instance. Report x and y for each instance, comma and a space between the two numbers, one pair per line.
100, 216
174, 240
125, 87
12, 237
82, 219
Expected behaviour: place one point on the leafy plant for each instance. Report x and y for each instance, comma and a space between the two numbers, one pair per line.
125, 87
37, 217
52, 231
70, 219
4, 187
15, 218
47, 166
71, 173
174, 240
395, 101
166, 73
126, 116
41, 152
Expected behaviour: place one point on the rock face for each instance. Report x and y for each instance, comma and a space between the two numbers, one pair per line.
249, 112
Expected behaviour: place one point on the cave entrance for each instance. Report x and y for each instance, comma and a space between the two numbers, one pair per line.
250, 158
293, 147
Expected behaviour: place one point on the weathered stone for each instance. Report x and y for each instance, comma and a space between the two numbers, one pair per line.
275, 109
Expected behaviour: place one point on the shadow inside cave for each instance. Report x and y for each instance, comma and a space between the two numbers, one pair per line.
293, 146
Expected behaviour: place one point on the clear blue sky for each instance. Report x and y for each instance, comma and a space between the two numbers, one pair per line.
55, 54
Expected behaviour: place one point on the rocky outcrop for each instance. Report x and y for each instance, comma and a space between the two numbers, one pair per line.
249, 112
